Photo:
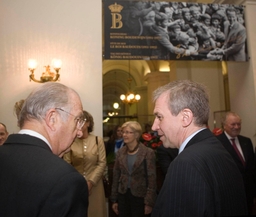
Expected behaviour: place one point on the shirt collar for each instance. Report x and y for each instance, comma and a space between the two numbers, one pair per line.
228, 136
35, 134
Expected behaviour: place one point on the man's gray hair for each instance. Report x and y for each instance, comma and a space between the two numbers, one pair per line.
49, 95
186, 94
229, 113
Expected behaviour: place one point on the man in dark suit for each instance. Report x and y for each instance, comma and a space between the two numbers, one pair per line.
34, 180
203, 180
244, 158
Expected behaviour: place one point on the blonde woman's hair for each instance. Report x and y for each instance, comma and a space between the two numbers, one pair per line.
135, 126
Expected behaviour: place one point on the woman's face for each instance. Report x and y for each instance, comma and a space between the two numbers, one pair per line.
119, 133
129, 135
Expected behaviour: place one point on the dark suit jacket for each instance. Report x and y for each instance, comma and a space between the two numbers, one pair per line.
247, 171
203, 180
35, 182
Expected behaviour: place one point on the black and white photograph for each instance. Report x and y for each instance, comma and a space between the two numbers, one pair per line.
151, 30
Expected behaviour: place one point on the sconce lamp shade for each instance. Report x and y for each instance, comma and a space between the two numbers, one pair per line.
56, 63
32, 64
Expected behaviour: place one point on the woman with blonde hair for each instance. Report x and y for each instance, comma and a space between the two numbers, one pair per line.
134, 175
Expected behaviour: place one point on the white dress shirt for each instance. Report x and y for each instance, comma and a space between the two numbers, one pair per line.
35, 134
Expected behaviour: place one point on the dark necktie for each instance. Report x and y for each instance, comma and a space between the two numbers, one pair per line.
237, 151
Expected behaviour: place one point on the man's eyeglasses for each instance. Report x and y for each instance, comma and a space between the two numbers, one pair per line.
79, 120
127, 132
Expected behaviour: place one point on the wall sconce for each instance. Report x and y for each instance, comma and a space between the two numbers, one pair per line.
47, 75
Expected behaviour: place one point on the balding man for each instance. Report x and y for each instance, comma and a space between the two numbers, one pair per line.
241, 150
34, 180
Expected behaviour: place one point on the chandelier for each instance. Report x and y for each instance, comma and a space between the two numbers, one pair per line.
130, 97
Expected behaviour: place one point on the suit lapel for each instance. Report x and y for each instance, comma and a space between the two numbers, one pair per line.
243, 146
227, 144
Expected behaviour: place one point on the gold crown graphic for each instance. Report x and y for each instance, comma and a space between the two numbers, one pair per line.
115, 8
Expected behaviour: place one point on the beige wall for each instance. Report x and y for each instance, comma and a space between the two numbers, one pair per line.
69, 30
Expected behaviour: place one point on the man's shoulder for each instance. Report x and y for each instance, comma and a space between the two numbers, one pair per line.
244, 139
203, 146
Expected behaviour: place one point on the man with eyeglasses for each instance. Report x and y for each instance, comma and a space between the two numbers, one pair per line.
34, 180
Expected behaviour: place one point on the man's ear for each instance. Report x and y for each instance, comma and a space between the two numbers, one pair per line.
187, 117
51, 119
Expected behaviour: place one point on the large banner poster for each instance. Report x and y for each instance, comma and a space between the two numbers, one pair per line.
148, 30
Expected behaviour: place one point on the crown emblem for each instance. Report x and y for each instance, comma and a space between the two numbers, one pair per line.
115, 8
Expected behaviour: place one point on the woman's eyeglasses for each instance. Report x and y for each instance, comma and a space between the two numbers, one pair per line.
127, 132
